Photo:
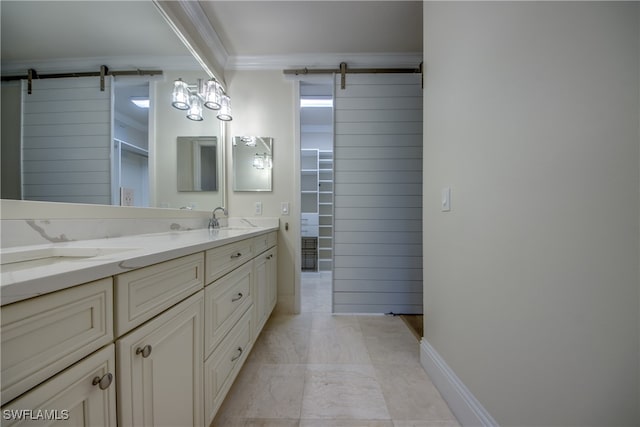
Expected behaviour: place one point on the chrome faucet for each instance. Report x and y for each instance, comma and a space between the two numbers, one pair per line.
213, 221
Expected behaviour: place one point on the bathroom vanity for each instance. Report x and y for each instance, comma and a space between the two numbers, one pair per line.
139, 330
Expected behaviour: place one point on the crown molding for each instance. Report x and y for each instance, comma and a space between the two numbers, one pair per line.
323, 60
115, 63
201, 23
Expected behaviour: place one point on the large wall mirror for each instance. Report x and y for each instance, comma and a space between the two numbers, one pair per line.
134, 148
252, 163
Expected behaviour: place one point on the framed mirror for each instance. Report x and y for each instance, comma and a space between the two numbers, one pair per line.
252, 163
198, 163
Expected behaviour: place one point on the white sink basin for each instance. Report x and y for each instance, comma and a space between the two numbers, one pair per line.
13, 260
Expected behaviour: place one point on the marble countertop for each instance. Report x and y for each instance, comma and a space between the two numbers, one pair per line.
114, 256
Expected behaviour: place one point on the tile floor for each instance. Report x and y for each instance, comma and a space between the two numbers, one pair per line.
322, 370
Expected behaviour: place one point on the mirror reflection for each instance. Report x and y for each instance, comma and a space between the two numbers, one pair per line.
96, 146
252, 163
197, 163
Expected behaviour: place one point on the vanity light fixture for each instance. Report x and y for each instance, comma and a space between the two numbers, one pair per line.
258, 161
193, 97
262, 161
195, 108
249, 141
225, 109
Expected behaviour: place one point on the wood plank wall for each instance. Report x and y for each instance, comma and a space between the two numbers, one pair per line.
66, 141
378, 194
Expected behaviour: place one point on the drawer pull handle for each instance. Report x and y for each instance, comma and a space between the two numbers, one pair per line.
236, 255
270, 256
103, 382
238, 298
239, 350
145, 351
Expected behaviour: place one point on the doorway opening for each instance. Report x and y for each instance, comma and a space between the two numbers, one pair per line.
316, 187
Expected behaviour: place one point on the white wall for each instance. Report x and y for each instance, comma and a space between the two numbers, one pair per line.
169, 124
262, 104
531, 282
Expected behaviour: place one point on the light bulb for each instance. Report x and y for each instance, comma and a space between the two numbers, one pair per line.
195, 112
212, 94
180, 95
225, 109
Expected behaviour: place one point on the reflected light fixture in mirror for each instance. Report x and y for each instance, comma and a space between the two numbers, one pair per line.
225, 109
193, 97
195, 108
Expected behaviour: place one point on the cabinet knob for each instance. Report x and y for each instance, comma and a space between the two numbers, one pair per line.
103, 382
238, 298
239, 350
145, 351
236, 255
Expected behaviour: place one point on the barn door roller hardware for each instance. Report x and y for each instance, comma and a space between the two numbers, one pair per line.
344, 70
104, 71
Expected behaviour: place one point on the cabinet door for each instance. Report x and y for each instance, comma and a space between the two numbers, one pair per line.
272, 279
261, 292
160, 368
265, 286
83, 395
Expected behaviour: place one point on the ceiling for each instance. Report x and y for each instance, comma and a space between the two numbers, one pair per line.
309, 27
134, 32
66, 36
138, 35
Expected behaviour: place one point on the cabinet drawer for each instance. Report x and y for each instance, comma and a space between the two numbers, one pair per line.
222, 367
43, 335
144, 293
71, 396
264, 242
220, 261
225, 302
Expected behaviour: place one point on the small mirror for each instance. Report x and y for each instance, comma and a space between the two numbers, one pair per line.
197, 163
252, 163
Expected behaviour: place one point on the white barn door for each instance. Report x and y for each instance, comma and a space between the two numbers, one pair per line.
66, 140
378, 194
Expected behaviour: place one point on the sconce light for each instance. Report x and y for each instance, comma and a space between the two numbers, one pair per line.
225, 109
262, 161
194, 97
249, 141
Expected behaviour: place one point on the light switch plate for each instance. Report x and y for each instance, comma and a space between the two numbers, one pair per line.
446, 199
258, 208
284, 208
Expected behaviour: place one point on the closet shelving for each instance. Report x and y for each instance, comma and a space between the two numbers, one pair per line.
325, 210
316, 185
309, 182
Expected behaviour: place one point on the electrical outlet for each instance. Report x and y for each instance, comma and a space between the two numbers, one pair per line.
126, 196
258, 208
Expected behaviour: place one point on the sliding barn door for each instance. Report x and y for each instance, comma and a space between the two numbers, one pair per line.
66, 140
378, 194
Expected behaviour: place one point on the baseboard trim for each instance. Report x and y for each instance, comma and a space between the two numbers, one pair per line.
463, 404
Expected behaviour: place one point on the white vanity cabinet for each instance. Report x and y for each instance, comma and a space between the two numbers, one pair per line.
160, 369
157, 345
83, 395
